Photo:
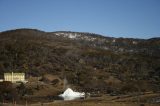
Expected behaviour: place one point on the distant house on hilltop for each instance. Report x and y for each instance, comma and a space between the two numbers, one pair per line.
14, 77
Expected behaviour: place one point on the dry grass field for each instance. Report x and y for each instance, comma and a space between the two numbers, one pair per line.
125, 100
80, 103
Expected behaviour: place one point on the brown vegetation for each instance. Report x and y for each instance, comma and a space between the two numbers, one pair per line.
101, 66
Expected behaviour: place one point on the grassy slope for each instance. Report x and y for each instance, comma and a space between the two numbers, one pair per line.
86, 67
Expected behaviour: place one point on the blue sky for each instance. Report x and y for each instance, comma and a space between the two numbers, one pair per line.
115, 18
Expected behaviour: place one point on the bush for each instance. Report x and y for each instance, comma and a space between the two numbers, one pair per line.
7, 92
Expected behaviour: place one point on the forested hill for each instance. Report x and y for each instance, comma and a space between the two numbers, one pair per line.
87, 60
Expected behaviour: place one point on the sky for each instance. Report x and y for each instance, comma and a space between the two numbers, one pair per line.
114, 18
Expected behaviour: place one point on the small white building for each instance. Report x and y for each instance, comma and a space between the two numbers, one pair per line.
69, 94
14, 77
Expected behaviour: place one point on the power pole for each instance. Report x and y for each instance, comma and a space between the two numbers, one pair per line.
26, 102
12, 77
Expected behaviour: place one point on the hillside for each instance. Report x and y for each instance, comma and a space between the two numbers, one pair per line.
88, 61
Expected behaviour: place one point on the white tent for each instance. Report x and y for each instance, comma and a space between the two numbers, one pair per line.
69, 94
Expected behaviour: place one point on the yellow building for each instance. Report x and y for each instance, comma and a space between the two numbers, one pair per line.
14, 77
